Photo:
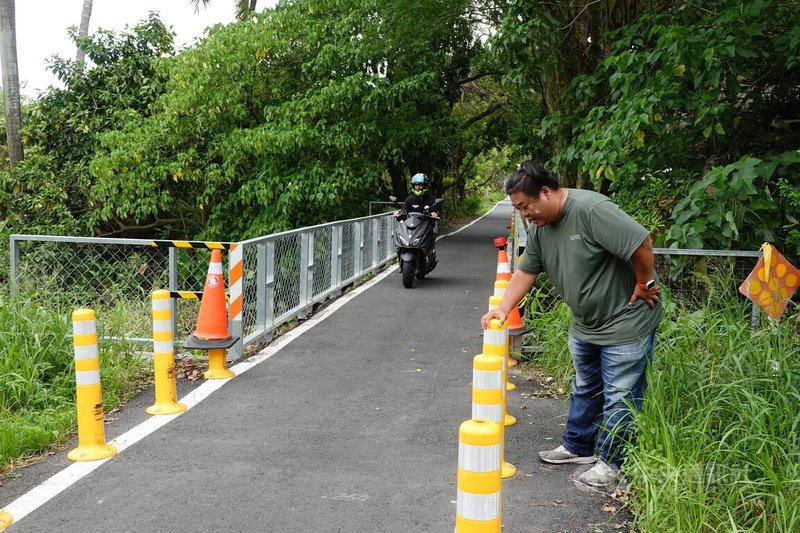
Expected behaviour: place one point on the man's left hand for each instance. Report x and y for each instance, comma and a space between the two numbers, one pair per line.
651, 297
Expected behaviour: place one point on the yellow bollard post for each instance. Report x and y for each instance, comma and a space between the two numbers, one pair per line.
495, 342
500, 287
488, 398
218, 365
479, 499
164, 358
5, 520
89, 397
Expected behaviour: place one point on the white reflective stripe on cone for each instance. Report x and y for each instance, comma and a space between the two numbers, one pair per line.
87, 377
86, 352
487, 379
162, 325
215, 268
492, 412
499, 292
478, 507
83, 327
163, 347
498, 337
478, 458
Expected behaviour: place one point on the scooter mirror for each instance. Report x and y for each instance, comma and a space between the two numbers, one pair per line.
439, 200
393, 198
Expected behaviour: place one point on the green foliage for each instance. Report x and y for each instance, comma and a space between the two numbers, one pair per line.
707, 98
734, 204
49, 191
37, 376
718, 437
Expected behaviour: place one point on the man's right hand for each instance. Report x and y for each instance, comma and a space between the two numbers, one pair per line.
494, 313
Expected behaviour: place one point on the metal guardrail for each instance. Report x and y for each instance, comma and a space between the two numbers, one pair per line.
283, 275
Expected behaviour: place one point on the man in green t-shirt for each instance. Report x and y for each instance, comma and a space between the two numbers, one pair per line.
601, 262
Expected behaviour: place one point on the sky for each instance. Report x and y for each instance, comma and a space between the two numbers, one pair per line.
42, 28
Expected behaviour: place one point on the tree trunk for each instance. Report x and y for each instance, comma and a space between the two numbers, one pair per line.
399, 185
8, 64
582, 45
83, 31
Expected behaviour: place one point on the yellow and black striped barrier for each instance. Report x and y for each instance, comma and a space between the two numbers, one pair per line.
203, 245
190, 295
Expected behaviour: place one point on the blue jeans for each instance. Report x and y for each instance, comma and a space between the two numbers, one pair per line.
609, 380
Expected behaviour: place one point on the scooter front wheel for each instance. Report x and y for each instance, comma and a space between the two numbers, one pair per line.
407, 269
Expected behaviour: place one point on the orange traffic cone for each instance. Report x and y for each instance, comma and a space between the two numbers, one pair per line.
503, 267
515, 325
211, 332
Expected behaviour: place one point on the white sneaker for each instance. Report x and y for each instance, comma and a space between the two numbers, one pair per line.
562, 455
600, 476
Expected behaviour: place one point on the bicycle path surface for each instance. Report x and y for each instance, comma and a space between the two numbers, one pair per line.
348, 423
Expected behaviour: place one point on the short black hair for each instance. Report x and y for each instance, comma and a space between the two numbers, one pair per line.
529, 178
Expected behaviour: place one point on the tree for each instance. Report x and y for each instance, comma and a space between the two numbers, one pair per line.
83, 30
549, 45
243, 7
8, 64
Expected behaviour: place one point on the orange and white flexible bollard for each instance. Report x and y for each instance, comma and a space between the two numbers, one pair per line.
500, 287
495, 342
503, 267
5, 520
488, 399
164, 358
479, 497
91, 430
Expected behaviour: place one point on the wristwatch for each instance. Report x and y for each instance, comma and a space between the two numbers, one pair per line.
647, 286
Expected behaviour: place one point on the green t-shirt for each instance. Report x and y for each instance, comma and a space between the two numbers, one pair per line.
586, 255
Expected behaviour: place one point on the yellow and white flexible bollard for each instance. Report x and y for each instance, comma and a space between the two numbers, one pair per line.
500, 287
478, 502
5, 520
164, 358
89, 397
488, 398
495, 342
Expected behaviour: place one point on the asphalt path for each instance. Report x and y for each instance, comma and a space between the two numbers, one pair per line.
349, 424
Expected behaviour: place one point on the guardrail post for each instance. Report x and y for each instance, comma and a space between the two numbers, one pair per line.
269, 285
358, 245
14, 258
306, 273
336, 258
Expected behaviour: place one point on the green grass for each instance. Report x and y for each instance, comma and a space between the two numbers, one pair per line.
718, 446
37, 377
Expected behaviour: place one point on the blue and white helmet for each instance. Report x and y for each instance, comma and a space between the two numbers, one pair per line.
419, 179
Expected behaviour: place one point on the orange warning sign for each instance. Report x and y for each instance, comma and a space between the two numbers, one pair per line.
772, 282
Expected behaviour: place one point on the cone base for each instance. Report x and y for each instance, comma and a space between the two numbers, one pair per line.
92, 453
166, 408
193, 342
510, 386
5, 520
509, 420
512, 362
507, 470
219, 374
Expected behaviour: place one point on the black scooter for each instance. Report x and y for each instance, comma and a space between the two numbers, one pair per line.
414, 239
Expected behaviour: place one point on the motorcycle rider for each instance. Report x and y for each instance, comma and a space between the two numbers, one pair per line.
419, 199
